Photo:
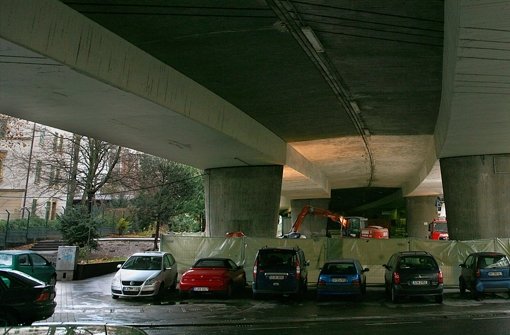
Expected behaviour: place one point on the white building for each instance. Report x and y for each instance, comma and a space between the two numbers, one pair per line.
29, 182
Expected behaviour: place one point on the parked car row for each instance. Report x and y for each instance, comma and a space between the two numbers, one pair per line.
284, 271
27, 287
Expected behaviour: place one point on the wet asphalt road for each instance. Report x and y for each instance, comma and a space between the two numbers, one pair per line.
89, 301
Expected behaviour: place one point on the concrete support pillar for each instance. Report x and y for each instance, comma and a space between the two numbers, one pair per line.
477, 196
420, 211
312, 225
243, 199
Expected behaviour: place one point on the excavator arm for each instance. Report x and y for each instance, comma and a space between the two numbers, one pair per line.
296, 227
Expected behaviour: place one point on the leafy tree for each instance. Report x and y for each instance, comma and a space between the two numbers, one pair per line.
78, 227
167, 189
122, 225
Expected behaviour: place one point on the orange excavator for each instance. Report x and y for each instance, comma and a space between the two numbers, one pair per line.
294, 232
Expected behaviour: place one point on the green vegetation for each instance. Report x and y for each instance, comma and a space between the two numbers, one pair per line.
79, 228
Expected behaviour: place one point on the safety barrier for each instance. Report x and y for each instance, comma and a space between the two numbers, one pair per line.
371, 253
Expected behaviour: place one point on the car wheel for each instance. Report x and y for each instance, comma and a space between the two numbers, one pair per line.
439, 299
115, 296
228, 291
8, 319
183, 294
173, 287
161, 293
394, 296
475, 294
462, 286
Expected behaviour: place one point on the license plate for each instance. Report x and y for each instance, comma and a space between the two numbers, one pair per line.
419, 282
132, 289
338, 280
200, 289
276, 277
495, 274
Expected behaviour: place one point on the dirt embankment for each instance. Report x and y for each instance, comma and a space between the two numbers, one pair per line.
118, 248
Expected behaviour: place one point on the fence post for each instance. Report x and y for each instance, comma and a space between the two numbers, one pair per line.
6, 228
28, 223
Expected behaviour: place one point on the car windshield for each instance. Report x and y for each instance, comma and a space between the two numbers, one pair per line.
339, 269
210, 263
417, 263
143, 263
277, 258
494, 262
5, 260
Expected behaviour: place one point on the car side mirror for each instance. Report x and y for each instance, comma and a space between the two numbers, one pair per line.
119, 266
365, 270
307, 263
462, 265
386, 266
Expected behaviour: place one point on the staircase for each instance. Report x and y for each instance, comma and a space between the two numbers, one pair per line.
48, 245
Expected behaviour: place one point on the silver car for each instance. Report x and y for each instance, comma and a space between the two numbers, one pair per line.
145, 274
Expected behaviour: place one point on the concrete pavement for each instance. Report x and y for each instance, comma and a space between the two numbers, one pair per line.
89, 301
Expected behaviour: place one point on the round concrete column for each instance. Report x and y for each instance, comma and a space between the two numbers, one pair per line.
420, 211
243, 199
477, 196
312, 225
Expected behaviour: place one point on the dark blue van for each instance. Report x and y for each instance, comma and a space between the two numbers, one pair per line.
280, 271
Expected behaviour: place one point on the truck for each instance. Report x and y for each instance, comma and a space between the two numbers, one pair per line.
377, 232
438, 229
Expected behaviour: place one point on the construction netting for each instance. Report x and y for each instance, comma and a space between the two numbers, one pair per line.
372, 253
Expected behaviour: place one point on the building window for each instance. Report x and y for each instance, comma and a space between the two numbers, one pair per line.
61, 144
53, 175
38, 168
55, 143
42, 135
51, 210
2, 157
33, 211
3, 128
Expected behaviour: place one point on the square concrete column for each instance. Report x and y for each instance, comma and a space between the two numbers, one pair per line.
243, 199
312, 225
477, 196
420, 212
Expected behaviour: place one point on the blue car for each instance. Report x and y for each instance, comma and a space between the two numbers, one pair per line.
485, 272
343, 277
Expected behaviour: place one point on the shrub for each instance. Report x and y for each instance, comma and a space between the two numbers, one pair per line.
79, 228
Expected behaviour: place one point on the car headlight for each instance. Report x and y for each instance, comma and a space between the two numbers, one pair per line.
116, 281
152, 281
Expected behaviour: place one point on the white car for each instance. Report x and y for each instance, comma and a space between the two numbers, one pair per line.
145, 274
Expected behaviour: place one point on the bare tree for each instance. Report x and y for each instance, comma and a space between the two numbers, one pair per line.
63, 163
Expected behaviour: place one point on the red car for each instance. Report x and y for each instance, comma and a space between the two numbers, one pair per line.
213, 275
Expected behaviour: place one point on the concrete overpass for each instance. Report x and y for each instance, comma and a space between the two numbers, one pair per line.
315, 95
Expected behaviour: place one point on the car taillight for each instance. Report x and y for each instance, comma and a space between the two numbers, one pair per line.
356, 281
42, 297
321, 282
255, 269
298, 270
477, 274
396, 278
440, 277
